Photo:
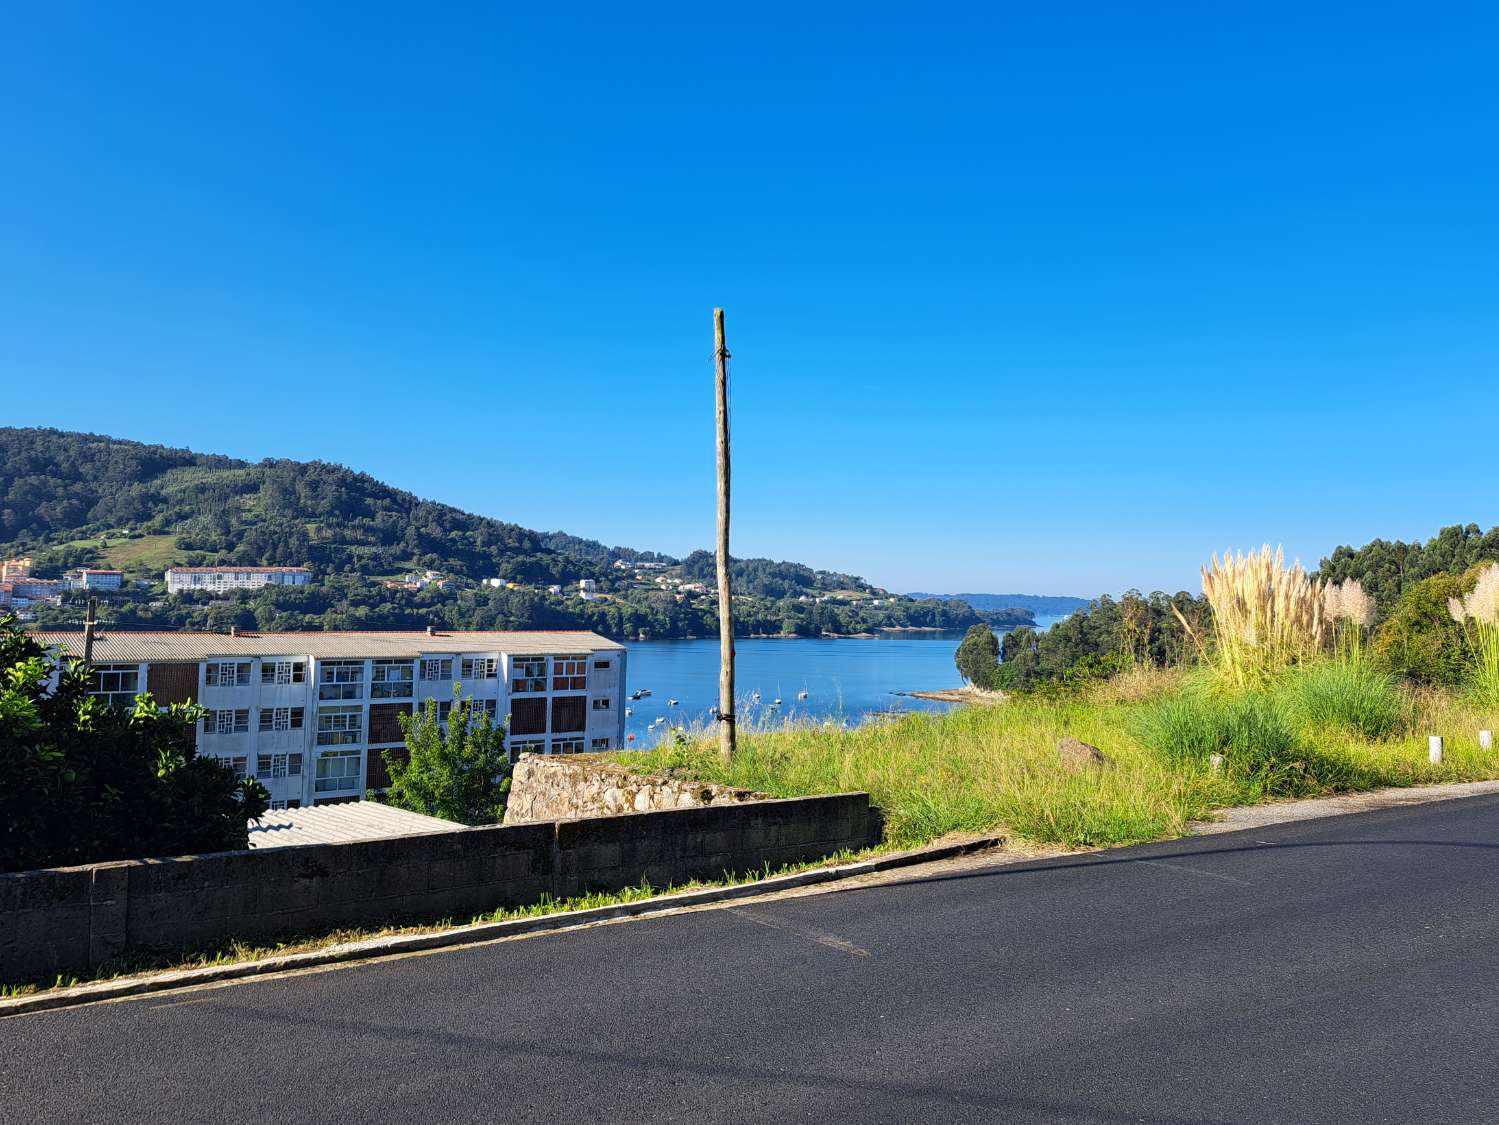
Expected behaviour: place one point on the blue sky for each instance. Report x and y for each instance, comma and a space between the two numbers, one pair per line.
1022, 297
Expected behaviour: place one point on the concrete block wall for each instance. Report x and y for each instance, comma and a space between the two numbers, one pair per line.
74, 919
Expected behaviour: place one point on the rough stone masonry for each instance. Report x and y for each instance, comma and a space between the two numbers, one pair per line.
579, 785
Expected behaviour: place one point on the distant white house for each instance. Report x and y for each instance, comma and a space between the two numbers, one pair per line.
587, 586
186, 579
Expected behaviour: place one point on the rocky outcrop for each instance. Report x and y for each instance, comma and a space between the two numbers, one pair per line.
579, 785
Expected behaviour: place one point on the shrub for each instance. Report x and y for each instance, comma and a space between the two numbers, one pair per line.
1349, 695
1419, 640
83, 782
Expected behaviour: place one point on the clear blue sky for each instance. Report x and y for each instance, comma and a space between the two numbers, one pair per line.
1053, 298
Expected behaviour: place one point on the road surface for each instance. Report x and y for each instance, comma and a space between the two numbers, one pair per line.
1325, 971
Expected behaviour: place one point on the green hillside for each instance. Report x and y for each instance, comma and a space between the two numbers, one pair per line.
72, 499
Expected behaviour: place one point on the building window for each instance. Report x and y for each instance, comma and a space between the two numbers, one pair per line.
528, 674
340, 726
444, 709
600, 744
227, 674
435, 668
569, 673
567, 746
521, 746
528, 716
569, 713
280, 718
478, 668
237, 764
278, 765
227, 722
116, 684
601, 703
391, 679
337, 772
283, 672
341, 679
601, 666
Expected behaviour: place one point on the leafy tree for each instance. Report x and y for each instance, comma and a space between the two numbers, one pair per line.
83, 782
456, 769
978, 656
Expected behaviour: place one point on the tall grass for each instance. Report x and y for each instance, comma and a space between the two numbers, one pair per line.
1346, 694
1478, 614
1266, 616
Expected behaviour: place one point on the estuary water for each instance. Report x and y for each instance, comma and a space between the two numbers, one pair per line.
845, 679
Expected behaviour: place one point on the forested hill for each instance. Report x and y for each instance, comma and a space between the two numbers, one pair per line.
70, 499
1051, 605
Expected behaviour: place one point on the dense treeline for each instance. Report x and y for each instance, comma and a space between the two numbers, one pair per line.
1387, 569
62, 494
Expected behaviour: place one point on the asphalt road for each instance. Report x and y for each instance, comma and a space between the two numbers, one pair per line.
1336, 970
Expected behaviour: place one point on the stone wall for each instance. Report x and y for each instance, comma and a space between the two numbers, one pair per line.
559, 788
73, 919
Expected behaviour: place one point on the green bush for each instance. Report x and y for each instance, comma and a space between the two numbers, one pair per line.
1348, 695
1263, 755
978, 656
1419, 641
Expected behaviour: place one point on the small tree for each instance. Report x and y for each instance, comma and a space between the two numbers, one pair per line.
458, 769
83, 782
977, 657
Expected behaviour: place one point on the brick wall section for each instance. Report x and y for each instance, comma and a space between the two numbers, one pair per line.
72, 919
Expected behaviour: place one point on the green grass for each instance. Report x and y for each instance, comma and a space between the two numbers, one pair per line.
987, 769
1351, 696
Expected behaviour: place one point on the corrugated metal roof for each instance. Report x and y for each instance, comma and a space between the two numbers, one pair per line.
342, 824
124, 646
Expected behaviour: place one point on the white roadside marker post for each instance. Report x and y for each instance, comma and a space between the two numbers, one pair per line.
1485, 740
1434, 749
1216, 762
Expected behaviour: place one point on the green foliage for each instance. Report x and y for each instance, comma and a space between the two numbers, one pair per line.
1101, 641
1419, 641
81, 782
61, 492
457, 770
1263, 754
977, 657
1388, 569
1348, 695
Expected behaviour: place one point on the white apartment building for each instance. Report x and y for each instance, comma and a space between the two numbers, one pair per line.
312, 714
89, 578
211, 579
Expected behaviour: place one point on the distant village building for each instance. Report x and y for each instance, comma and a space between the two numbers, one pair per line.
88, 578
11, 569
587, 586
554, 589
421, 581
211, 579
312, 714
28, 591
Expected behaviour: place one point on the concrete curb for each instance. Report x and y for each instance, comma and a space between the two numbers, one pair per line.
376, 948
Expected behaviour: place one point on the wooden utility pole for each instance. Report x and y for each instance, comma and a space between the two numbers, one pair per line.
90, 619
725, 602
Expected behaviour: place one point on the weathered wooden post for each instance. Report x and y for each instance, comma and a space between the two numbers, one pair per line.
725, 602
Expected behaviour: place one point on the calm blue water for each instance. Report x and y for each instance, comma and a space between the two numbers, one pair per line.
848, 679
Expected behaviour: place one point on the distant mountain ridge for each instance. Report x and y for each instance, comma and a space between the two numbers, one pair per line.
1049, 605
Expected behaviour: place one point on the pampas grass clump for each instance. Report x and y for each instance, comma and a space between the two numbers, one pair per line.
1478, 614
1266, 617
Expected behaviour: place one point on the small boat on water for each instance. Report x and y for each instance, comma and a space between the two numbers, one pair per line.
776, 702
754, 697
801, 695
629, 711
671, 702
640, 693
